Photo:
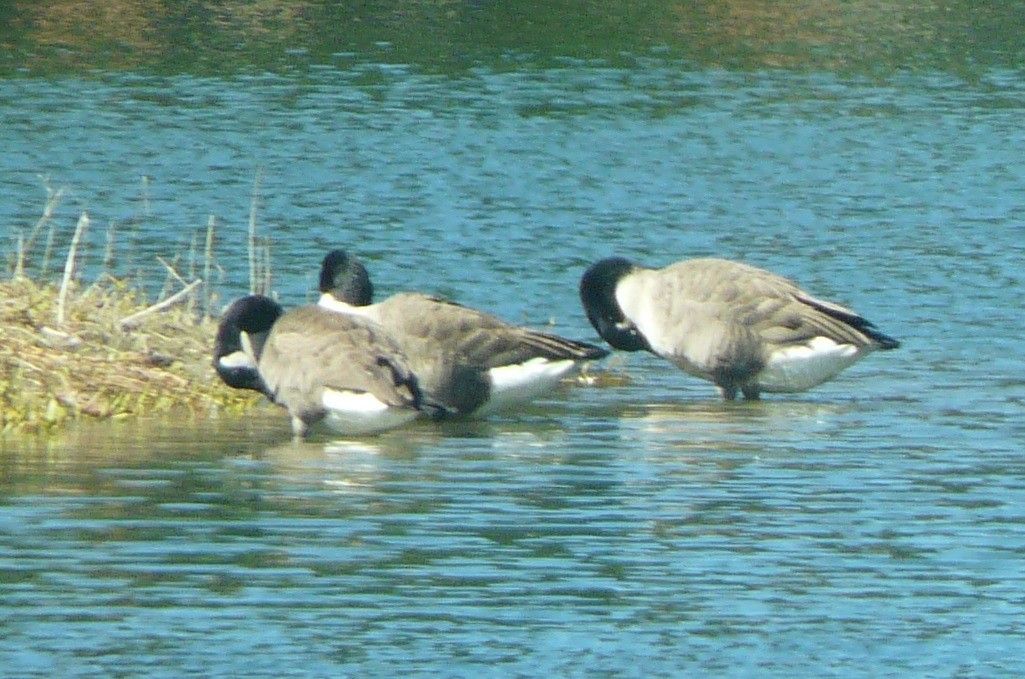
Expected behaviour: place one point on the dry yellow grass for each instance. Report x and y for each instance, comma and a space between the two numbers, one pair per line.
95, 367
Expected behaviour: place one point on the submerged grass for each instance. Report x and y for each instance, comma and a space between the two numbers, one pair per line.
94, 365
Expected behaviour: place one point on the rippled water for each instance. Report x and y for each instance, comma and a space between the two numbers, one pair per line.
871, 527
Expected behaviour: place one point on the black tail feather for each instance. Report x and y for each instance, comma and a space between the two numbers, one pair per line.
854, 320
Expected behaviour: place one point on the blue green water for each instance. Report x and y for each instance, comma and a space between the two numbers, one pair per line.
871, 527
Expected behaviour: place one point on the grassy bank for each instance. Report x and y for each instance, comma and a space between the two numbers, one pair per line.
71, 350
100, 362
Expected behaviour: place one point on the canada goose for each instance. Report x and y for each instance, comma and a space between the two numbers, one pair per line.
320, 365
736, 325
239, 342
517, 364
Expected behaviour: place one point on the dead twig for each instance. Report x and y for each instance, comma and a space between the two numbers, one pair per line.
172, 271
69, 267
208, 260
254, 284
51, 235
52, 199
131, 321
108, 251
19, 263
265, 272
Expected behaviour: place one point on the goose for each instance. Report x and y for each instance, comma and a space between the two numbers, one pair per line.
738, 326
239, 341
319, 365
517, 364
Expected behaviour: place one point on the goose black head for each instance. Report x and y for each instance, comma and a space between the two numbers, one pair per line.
346, 279
598, 293
247, 321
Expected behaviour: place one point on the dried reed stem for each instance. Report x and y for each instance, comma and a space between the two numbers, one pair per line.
166, 288
19, 263
145, 195
48, 251
171, 271
253, 280
208, 260
131, 321
52, 198
108, 251
69, 267
266, 269
193, 246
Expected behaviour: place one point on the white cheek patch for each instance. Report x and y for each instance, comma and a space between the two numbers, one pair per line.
328, 301
802, 367
360, 412
522, 382
632, 299
639, 302
236, 359
247, 348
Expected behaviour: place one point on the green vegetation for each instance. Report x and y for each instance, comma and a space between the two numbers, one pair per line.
71, 350
97, 365
233, 36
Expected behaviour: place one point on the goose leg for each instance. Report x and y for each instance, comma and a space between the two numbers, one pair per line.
299, 427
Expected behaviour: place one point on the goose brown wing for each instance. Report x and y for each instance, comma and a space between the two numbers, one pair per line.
790, 321
776, 308
721, 281
847, 324
480, 338
772, 306
311, 349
